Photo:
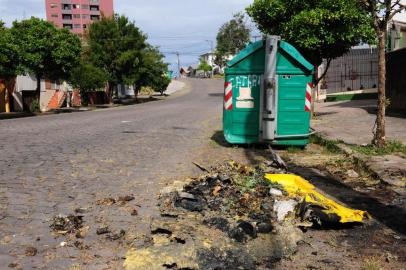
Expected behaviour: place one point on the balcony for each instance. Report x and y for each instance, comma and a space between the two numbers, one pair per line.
94, 8
66, 17
68, 26
67, 7
94, 17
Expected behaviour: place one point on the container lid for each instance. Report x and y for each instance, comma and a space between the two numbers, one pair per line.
295, 54
286, 47
250, 49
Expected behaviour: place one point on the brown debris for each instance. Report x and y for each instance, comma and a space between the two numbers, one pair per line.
106, 201
30, 251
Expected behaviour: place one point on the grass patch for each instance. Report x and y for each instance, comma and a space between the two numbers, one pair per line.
371, 264
391, 147
330, 145
294, 149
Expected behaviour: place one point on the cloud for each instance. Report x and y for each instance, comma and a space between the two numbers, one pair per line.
176, 25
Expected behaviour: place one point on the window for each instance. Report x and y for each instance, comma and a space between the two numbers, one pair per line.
84, 26
68, 26
66, 17
95, 17
94, 8
54, 15
85, 6
85, 16
76, 16
54, 5
94, 1
76, 26
66, 7
76, 6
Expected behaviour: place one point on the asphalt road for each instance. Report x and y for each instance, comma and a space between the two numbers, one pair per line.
54, 164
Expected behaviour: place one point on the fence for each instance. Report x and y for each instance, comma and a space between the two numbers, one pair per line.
396, 79
358, 69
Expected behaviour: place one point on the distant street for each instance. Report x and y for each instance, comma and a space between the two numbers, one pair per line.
52, 165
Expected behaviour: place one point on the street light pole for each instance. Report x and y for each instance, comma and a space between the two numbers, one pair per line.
211, 51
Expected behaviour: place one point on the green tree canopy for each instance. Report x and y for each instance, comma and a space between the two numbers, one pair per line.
153, 70
87, 77
320, 29
9, 54
116, 45
232, 37
45, 51
204, 66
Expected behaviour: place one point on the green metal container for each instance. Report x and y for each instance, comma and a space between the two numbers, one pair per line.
266, 88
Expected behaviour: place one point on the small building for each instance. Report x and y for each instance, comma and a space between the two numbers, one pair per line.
184, 72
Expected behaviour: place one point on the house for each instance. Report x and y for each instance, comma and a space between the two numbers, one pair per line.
210, 59
52, 96
184, 72
397, 35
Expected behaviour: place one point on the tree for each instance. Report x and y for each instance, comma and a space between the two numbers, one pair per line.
45, 51
86, 77
153, 71
9, 59
116, 46
232, 37
382, 12
322, 29
204, 66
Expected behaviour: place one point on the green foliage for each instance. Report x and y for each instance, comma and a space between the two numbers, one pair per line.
119, 48
153, 71
9, 54
330, 145
390, 147
86, 77
204, 66
232, 37
44, 50
34, 106
320, 29
115, 45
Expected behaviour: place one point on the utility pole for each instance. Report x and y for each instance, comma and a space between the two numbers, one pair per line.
177, 54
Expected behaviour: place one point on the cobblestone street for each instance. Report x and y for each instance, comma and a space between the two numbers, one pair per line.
55, 164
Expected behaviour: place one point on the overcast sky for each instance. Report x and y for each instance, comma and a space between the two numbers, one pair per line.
175, 25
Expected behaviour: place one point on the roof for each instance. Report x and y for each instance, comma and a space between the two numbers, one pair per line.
283, 45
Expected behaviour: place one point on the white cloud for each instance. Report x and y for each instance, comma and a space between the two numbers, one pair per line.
176, 25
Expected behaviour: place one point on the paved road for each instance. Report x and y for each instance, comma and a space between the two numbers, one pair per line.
54, 164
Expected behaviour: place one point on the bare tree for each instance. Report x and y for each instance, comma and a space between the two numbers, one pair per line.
382, 12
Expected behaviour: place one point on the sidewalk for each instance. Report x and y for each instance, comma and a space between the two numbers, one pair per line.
353, 121
174, 87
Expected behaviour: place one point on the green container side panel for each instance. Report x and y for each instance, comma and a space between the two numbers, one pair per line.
292, 117
291, 142
241, 124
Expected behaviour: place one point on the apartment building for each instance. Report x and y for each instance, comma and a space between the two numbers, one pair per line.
76, 15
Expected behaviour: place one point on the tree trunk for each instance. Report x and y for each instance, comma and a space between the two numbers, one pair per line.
110, 89
38, 90
379, 139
